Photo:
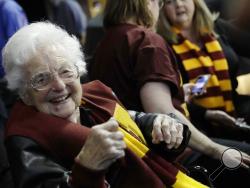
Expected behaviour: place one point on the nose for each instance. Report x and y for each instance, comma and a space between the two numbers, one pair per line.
57, 84
178, 2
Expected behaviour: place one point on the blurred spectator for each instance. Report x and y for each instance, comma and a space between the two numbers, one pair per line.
69, 15
216, 109
12, 17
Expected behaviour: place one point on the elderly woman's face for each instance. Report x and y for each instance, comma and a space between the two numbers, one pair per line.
180, 13
54, 86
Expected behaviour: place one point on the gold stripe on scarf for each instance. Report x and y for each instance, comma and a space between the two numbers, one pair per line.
211, 102
138, 148
122, 116
134, 145
225, 85
220, 65
213, 46
185, 48
184, 107
207, 64
229, 106
182, 180
194, 63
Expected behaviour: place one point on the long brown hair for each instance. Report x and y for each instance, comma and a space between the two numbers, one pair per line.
119, 11
203, 22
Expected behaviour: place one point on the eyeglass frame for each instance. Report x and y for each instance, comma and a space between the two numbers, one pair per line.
170, 1
160, 3
30, 84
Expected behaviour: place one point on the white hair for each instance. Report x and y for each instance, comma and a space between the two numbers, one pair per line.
33, 39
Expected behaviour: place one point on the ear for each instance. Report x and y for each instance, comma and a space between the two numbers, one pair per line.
25, 96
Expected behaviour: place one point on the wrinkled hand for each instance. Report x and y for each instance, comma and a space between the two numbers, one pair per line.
168, 130
103, 146
221, 118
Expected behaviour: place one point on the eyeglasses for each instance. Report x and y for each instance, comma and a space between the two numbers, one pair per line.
171, 1
161, 3
43, 80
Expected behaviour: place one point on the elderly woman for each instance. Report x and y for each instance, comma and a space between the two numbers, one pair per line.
47, 144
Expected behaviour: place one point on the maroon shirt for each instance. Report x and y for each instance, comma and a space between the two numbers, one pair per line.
129, 56
63, 140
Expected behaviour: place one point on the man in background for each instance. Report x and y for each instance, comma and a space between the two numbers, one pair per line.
12, 17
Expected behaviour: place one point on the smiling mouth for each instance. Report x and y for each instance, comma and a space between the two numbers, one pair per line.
180, 12
58, 100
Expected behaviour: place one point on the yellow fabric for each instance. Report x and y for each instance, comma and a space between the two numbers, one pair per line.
213, 81
96, 7
184, 106
122, 116
185, 48
220, 65
128, 125
197, 62
213, 46
216, 102
185, 181
225, 85
180, 49
140, 149
191, 46
229, 106
134, 145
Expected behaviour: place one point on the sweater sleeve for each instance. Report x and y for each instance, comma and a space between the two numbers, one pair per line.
84, 177
32, 166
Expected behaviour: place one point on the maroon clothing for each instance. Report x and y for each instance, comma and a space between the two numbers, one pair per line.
58, 141
128, 57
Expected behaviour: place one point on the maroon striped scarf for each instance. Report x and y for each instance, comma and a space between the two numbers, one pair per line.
210, 60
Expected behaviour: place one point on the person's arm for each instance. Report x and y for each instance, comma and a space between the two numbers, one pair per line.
156, 97
217, 117
75, 21
13, 19
32, 166
157, 128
